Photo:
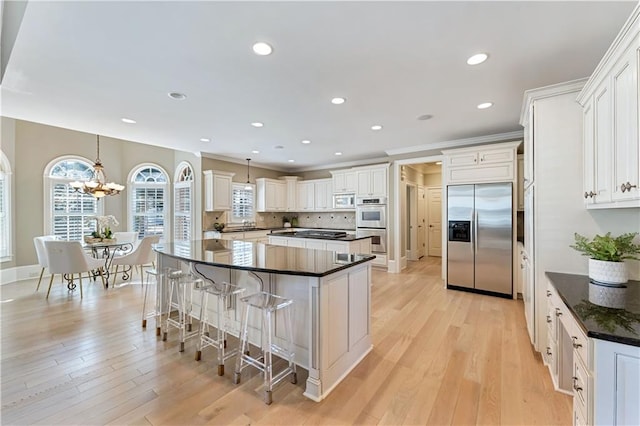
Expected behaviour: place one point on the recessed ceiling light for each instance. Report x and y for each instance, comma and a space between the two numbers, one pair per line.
177, 96
478, 58
338, 153
128, 121
306, 141
338, 101
291, 161
376, 127
205, 140
261, 48
438, 163
255, 151
485, 105
257, 124
424, 117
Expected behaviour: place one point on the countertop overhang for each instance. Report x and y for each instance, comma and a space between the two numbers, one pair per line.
258, 257
599, 322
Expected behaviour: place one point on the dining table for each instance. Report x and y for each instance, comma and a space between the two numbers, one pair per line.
107, 250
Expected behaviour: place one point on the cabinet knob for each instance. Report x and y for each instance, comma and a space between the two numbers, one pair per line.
576, 345
586, 194
592, 194
627, 187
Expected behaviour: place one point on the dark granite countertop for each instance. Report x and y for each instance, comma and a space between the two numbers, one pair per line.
258, 257
599, 322
303, 234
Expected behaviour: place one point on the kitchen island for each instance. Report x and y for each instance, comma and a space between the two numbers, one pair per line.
331, 293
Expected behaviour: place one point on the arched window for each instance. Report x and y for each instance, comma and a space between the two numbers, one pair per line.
148, 202
5, 208
183, 203
69, 211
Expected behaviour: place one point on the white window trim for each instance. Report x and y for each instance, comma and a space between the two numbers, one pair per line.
168, 230
184, 184
5, 170
235, 185
48, 182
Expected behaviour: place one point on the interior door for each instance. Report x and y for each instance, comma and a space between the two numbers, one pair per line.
422, 221
434, 221
412, 222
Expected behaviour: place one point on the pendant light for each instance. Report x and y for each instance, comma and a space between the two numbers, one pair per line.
248, 186
97, 185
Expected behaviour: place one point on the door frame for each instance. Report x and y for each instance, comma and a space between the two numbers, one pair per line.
399, 263
428, 209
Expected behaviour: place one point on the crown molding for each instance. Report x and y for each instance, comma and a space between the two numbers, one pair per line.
547, 92
458, 142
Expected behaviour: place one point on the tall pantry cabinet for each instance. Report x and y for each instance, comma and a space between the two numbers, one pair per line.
552, 121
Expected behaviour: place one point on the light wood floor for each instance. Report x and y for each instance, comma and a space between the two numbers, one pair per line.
439, 357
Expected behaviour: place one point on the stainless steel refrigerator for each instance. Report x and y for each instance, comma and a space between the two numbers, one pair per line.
480, 239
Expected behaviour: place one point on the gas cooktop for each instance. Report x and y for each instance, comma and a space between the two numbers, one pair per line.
321, 234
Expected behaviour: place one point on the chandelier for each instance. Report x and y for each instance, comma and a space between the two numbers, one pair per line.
97, 185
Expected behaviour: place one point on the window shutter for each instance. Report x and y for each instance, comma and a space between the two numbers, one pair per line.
182, 212
71, 212
148, 210
242, 204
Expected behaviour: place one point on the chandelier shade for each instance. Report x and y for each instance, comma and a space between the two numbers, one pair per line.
97, 185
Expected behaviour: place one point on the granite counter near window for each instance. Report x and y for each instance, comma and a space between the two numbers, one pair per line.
615, 325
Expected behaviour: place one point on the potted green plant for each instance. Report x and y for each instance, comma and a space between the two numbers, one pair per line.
607, 255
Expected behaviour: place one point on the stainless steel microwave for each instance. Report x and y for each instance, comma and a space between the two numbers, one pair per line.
344, 201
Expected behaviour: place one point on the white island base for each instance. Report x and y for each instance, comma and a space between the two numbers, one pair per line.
331, 313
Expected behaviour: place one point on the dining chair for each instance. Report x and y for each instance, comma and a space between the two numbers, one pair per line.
41, 252
142, 255
69, 258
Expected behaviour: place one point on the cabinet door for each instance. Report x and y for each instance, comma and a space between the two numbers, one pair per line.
364, 182
624, 87
379, 182
221, 192
589, 166
280, 196
462, 159
602, 144
291, 197
208, 191
270, 196
344, 182
320, 196
305, 199
495, 156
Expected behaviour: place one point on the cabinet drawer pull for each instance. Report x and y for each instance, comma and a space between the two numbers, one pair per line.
575, 384
549, 351
627, 187
590, 194
549, 319
548, 293
558, 313
576, 345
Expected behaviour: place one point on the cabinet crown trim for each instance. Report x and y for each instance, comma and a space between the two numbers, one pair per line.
629, 29
532, 95
218, 172
501, 145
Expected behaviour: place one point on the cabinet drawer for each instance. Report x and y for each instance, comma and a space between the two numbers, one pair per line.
581, 388
578, 418
580, 344
495, 156
464, 159
549, 357
552, 320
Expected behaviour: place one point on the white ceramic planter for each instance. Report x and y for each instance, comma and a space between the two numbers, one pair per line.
612, 273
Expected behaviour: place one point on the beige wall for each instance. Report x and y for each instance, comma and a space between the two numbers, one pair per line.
240, 170
36, 145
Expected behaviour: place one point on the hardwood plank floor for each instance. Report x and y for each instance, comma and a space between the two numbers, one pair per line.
439, 357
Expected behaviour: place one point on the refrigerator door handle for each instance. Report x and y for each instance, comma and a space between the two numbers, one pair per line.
475, 231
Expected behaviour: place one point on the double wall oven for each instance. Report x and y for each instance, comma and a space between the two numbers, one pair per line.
371, 221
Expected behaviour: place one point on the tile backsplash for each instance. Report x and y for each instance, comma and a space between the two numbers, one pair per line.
332, 220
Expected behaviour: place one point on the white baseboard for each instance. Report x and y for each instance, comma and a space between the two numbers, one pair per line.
392, 267
403, 262
19, 273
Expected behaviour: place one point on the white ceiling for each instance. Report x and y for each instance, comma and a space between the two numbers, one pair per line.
85, 65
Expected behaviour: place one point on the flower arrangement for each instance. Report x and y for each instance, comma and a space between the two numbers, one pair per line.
103, 228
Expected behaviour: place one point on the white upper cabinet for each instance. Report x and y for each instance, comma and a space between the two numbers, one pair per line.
610, 124
344, 181
217, 190
305, 196
323, 194
372, 181
291, 183
271, 195
489, 163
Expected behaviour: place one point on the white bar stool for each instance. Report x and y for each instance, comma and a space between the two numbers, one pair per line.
268, 304
182, 285
223, 293
157, 311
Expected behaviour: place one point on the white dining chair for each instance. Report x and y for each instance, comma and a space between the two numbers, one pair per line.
41, 252
141, 256
68, 257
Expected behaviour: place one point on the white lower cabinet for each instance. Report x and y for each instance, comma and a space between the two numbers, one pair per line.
602, 376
